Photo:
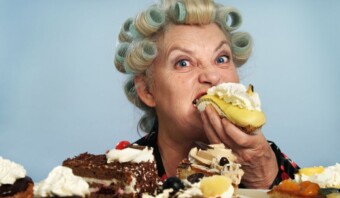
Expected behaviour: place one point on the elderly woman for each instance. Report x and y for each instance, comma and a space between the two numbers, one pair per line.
173, 52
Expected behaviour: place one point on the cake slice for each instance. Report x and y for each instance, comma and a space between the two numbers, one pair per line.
127, 172
14, 183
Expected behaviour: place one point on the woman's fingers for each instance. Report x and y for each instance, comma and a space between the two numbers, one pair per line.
214, 120
237, 135
252, 150
222, 130
209, 130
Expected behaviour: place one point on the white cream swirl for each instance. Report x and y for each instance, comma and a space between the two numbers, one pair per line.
229, 193
130, 154
62, 182
10, 171
329, 178
237, 95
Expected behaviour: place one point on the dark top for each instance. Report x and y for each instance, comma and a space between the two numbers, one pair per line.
287, 167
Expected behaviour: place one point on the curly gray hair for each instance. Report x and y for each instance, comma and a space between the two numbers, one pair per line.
137, 46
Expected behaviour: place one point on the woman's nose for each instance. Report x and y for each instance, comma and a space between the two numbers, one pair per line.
210, 75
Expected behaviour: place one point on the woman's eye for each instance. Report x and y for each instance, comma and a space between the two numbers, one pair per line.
222, 59
182, 63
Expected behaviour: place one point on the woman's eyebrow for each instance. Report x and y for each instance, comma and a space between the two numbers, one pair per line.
188, 51
179, 48
224, 42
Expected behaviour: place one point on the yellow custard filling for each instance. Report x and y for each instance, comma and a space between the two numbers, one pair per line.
309, 171
237, 115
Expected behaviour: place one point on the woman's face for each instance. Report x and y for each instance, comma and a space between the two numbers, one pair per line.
190, 60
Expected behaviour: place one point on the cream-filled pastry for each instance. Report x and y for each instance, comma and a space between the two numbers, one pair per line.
233, 101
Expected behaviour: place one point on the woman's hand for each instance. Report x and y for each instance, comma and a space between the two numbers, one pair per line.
252, 150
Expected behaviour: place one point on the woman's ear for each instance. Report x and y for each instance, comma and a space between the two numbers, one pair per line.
143, 91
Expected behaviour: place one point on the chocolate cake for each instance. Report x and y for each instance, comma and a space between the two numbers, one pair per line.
21, 188
119, 173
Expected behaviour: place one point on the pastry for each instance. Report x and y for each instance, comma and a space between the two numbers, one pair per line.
326, 177
233, 101
209, 160
292, 189
14, 183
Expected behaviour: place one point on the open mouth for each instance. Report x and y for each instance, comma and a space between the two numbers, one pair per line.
194, 102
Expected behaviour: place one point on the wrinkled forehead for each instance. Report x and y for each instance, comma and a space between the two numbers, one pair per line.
187, 34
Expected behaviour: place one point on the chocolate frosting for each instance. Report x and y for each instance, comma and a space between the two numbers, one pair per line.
19, 185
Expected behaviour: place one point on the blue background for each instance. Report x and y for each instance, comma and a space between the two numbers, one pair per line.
60, 94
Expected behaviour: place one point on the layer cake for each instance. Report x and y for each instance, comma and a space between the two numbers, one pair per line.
121, 172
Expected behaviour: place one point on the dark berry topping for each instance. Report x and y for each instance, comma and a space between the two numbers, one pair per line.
202, 145
174, 183
223, 161
196, 177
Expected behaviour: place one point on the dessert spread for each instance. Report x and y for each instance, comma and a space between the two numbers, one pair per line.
239, 105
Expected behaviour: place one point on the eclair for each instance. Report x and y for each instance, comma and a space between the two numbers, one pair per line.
233, 101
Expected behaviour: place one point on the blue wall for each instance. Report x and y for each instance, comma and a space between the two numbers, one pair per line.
60, 94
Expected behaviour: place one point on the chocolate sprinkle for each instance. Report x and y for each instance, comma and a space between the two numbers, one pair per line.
202, 145
196, 177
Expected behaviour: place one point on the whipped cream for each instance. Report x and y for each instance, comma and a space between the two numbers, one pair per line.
130, 154
193, 191
10, 171
229, 193
62, 182
330, 177
208, 156
237, 95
